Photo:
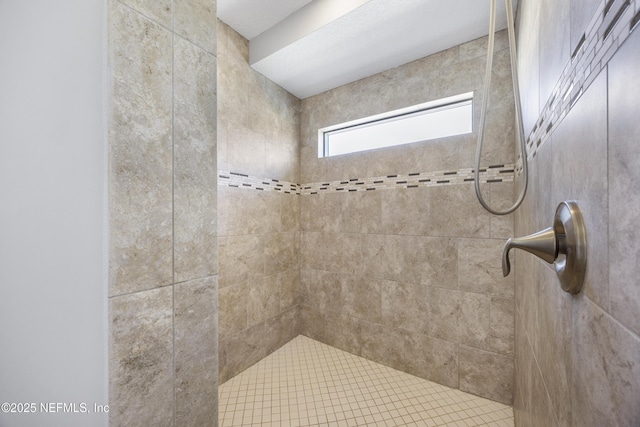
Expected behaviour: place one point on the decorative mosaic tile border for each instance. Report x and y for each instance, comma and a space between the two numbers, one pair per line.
612, 23
490, 174
241, 180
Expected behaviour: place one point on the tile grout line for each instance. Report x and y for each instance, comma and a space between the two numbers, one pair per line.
173, 215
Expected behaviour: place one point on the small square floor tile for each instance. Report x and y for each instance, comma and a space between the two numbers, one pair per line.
307, 383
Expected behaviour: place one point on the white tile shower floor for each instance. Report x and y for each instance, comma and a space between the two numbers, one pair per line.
307, 383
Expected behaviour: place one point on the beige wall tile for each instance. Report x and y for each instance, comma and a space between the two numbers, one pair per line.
432, 359
262, 246
404, 306
405, 211
140, 155
195, 20
581, 140
480, 267
475, 320
196, 352
280, 252
445, 310
323, 290
361, 212
162, 184
502, 197
263, 300
241, 350
141, 358
382, 257
431, 261
486, 374
469, 219
194, 184
501, 321
624, 181
382, 344
361, 296
158, 11
241, 259
606, 381
232, 309
555, 41
554, 339
528, 41
582, 371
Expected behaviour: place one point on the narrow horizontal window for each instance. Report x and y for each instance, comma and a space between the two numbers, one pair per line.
432, 120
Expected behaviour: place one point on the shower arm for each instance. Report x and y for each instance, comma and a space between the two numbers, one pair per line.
518, 110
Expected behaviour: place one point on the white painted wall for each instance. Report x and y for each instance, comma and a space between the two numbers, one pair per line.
53, 336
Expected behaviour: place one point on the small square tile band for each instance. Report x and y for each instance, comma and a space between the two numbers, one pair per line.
307, 383
489, 174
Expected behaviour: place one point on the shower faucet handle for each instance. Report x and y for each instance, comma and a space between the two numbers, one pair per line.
564, 244
542, 244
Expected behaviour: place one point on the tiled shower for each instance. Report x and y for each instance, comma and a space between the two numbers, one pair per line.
392, 262
383, 254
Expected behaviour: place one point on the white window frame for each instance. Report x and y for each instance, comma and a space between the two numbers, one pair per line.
403, 113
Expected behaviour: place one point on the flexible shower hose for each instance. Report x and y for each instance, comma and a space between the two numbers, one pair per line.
518, 110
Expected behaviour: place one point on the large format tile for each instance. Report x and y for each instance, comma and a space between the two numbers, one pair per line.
382, 256
432, 359
431, 261
529, 64
624, 182
554, 337
289, 288
470, 219
241, 259
241, 350
280, 252
232, 309
196, 352
157, 10
582, 11
195, 20
480, 268
475, 319
141, 358
444, 307
580, 140
381, 344
554, 44
486, 374
404, 306
501, 326
194, 184
405, 211
140, 193
606, 369
361, 296
263, 299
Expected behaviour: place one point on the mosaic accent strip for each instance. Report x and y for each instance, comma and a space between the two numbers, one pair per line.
241, 180
489, 174
612, 23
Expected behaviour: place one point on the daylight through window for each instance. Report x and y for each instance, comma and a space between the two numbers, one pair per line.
435, 119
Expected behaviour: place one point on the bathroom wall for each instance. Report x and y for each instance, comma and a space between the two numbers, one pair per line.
52, 222
578, 356
258, 218
163, 268
404, 271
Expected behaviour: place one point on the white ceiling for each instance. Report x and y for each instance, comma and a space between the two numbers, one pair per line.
310, 46
252, 17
